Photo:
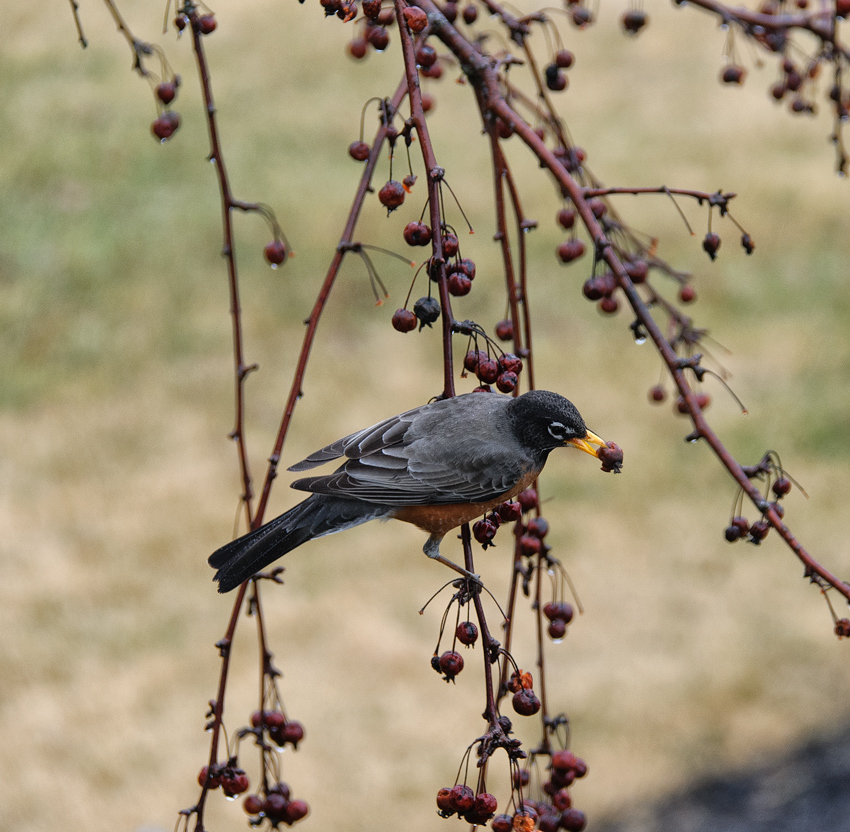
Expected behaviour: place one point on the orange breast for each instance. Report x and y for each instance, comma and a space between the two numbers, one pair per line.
439, 520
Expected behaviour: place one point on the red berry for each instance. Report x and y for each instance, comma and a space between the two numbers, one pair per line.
529, 545
427, 98
732, 533
484, 531
657, 394
274, 807
566, 218
358, 48
391, 195
253, 804
592, 289
563, 760
404, 320
180, 22
509, 512
842, 8
274, 720
573, 820
472, 359
561, 800
445, 802
505, 330
293, 733
459, 284
450, 10
372, 8
450, 245
166, 91
415, 18
570, 250
521, 777
238, 783
451, 663
507, 382
557, 630
359, 150
485, 804
214, 777
525, 702
426, 55
759, 530
463, 798
687, 294
488, 370
637, 270
467, 633
555, 79
464, 267
564, 59
502, 823
538, 527
275, 252
206, 24
781, 486
842, 627
527, 499
295, 810
470, 14
609, 305
378, 37
510, 363
561, 611
165, 125
417, 234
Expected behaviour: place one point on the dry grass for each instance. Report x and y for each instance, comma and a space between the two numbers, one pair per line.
118, 477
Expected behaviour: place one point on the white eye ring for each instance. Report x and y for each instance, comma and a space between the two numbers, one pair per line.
559, 431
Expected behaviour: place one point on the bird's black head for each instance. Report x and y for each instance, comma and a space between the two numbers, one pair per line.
543, 421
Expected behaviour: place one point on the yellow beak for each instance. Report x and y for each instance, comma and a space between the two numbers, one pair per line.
587, 443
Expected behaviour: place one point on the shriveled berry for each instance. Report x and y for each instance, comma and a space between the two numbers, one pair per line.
733, 74
415, 18
634, 20
611, 457
842, 627
359, 150
710, 244
463, 798
502, 823
164, 126
564, 59
747, 243
404, 320
506, 382
732, 533
450, 245
759, 530
206, 24
557, 630
426, 55
472, 359
573, 820
505, 330
451, 663
657, 394
180, 22
509, 512
464, 267
527, 499
510, 363
467, 633
781, 486
276, 252
484, 531
391, 195
166, 91
485, 804
427, 310
417, 234
570, 250
488, 371
372, 8
525, 703
445, 802
520, 680
459, 284
561, 800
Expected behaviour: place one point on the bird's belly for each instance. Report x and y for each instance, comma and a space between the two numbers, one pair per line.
441, 519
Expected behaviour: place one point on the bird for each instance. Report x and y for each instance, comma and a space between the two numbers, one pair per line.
437, 466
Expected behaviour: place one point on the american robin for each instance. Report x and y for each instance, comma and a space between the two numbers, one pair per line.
437, 466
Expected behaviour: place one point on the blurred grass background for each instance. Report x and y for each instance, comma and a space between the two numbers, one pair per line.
115, 403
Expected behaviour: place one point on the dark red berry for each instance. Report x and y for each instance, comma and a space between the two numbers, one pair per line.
634, 20
450, 245
555, 79
657, 394
404, 320
165, 125
637, 270
166, 91
581, 16
566, 218
510, 363
206, 24
372, 8
445, 802
506, 382
747, 243
488, 371
564, 760
527, 499
502, 823
450, 11
557, 630
379, 37
472, 359
733, 74
525, 703
687, 294
417, 234
529, 545
564, 59
611, 457
467, 633
521, 777
426, 55
561, 800
253, 804
741, 523
573, 820
274, 720
778, 90
275, 252
485, 804
415, 18
759, 530
465, 267
391, 195
180, 22
293, 733
732, 533
237, 783
470, 14
295, 810
214, 780
274, 807
561, 611
451, 663
710, 244
781, 486
842, 627
570, 250
463, 798
538, 527
505, 330
592, 289
358, 48
484, 531
509, 512
609, 305
359, 150
459, 284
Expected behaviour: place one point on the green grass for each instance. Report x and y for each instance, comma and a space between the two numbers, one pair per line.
115, 404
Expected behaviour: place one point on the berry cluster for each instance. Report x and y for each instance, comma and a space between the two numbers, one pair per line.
228, 776
502, 371
276, 805
281, 731
485, 529
460, 800
559, 614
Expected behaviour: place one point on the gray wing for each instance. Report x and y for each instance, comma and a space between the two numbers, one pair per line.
455, 451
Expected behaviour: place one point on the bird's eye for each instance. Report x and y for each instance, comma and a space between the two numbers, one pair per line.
560, 431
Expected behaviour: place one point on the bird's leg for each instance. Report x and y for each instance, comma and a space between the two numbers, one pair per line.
432, 549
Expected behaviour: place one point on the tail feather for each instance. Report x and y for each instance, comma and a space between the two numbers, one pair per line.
318, 515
